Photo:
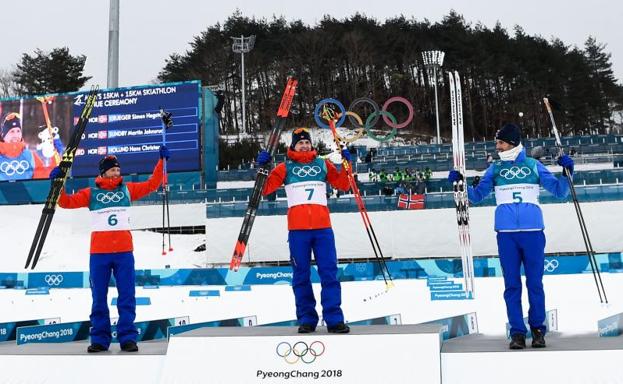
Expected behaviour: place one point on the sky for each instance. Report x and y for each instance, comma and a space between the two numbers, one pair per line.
151, 30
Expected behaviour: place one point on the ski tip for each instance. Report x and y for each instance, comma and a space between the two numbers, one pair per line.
164, 253
170, 249
389, 285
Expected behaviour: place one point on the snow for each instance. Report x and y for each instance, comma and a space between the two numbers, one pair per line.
402, 234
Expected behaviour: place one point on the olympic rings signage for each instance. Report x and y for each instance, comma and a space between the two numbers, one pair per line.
14, 167
109, 197
306, 170
300, 351
550, 265
325, 110
53, 280
515, 173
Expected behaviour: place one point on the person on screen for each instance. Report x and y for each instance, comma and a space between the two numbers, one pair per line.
305, 177
17, 162
111, 247
516, 180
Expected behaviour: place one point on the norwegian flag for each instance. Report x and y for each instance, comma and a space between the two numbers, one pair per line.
414, 201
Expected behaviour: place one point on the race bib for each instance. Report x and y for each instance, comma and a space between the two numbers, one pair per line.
306, 192
110, 219
517, 193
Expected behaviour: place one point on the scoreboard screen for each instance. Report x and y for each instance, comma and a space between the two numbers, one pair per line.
126, 123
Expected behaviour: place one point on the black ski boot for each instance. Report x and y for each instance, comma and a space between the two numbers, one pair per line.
538, 338
129, 346
306, 328
518, 341
339, 328
94, 348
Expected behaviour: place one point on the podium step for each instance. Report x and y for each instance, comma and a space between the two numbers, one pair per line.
567, 359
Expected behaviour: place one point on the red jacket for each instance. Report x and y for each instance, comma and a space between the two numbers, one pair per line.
306, 216
112, 241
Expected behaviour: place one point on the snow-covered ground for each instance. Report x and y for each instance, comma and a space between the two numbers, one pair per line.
402, 234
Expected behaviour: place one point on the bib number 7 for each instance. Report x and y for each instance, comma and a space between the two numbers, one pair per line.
311, 193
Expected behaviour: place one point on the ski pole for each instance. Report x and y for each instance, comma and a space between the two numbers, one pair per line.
378, 253
576, 203
167, 122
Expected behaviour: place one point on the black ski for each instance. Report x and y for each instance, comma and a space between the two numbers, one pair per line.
59, 183
262, 174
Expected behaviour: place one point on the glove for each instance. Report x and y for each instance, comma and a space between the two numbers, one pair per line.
454, 176
56, 173
476, 181
345, 154
263, 158
566, 162
164, 152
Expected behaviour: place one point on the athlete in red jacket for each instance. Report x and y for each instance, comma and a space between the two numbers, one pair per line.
305, 177
111, 247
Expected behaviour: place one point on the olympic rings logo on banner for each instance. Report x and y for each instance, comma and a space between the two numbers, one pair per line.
515, 172
109, 197
324, 112
306, 170
53, 279
551, 265
13, 167
300, 351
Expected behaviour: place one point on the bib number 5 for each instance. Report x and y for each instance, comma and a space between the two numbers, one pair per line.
517, 197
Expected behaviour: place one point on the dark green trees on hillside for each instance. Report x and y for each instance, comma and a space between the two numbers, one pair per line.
502, 73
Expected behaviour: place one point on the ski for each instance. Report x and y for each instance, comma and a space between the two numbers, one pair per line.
262, 175
59, 183
578, 210
376, 247
461, 200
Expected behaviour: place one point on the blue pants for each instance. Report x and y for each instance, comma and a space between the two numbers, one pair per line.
527, 248
122, 266
322, 242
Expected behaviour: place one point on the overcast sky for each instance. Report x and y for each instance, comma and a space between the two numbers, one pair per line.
150, 30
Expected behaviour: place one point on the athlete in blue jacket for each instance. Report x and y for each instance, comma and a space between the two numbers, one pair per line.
516, 180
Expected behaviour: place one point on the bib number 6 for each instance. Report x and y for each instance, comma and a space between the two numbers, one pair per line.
112, 220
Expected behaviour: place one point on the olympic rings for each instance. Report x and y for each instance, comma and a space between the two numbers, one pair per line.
390, 135
550, 265
322, 102
53, 279
362, 100
322, 112
404, 101
306, 170
515, 172
109, 197
13, 167
300, 351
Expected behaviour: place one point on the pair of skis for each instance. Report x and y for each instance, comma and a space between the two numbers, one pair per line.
262, 175
461, 200
59, 182
590, 252
167, 122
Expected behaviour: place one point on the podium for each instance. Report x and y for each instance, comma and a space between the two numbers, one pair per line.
369, 354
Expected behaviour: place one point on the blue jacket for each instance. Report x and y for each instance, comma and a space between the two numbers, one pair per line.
518, 216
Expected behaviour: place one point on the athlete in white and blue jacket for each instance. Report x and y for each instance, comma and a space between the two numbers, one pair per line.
516, 180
